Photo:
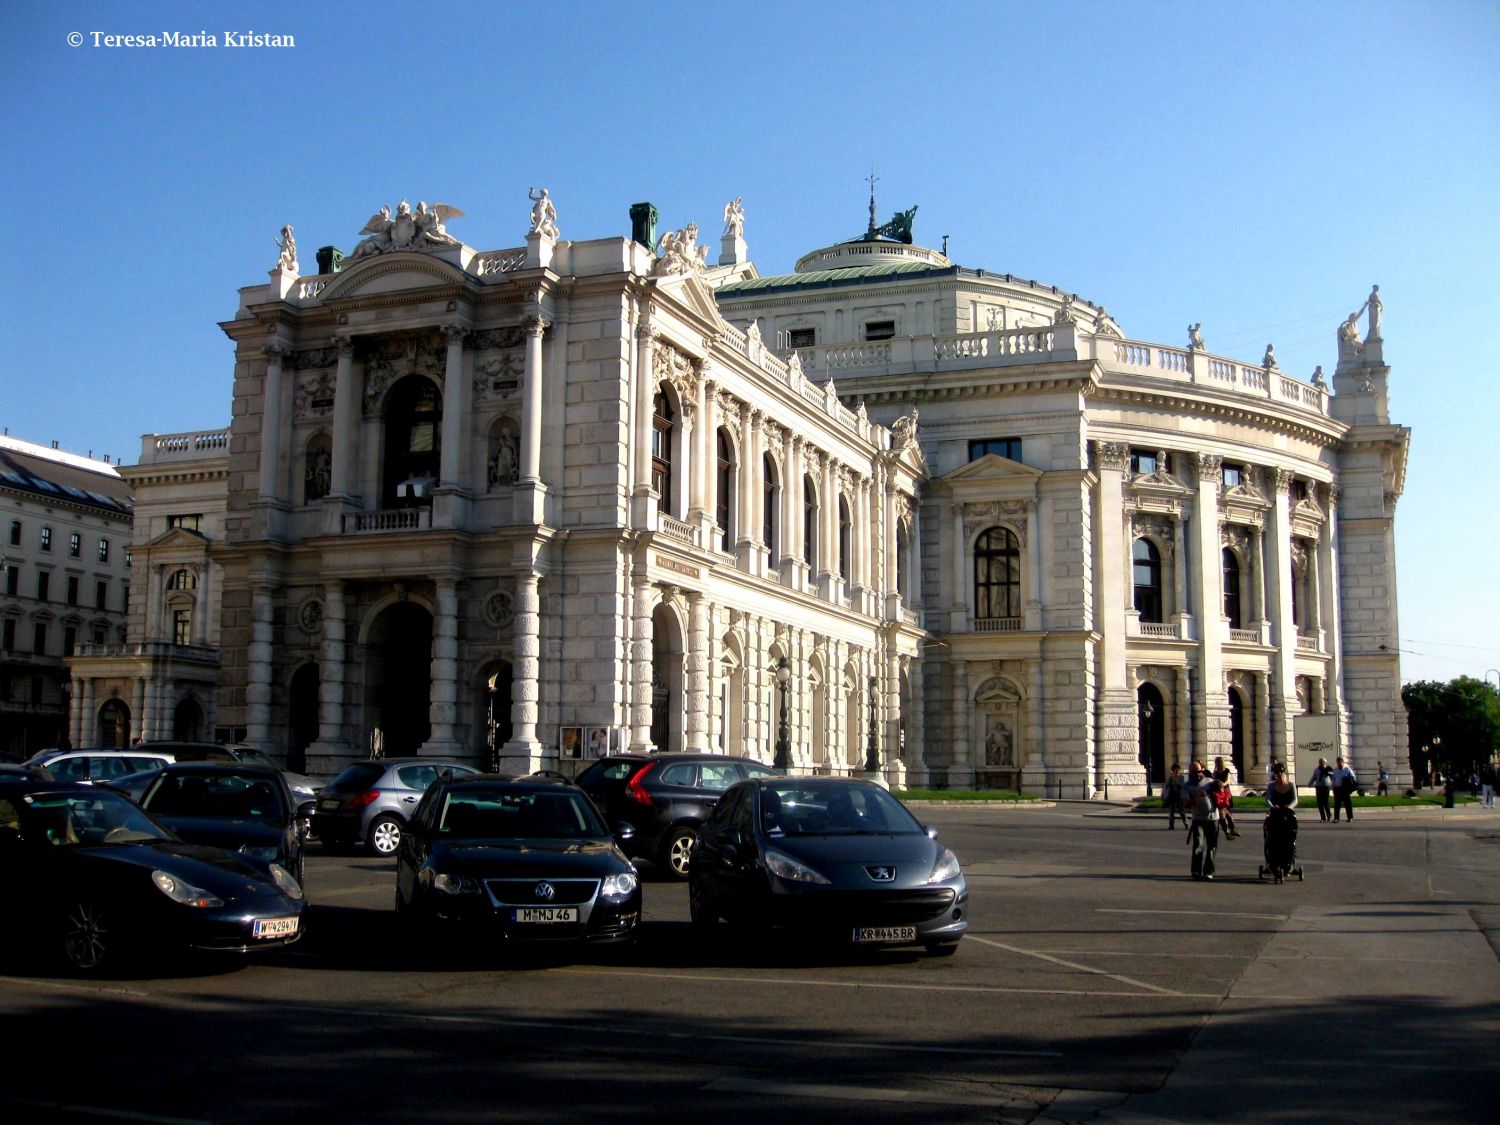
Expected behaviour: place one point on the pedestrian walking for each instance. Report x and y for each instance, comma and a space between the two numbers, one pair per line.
1225, 799
1171, 797
1487, 783
1271, 771
1204, 836
1322, 783
1383, 788
1344, 780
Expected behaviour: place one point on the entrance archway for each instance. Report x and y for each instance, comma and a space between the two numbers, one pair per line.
113, 724
398, 681
302, 718
666, 680
187, 721
1237, 732
1151, 714
498, 729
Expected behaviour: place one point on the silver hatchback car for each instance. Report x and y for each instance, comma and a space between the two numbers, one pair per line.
370, 802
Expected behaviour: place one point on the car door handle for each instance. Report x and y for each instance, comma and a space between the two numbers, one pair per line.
408, 800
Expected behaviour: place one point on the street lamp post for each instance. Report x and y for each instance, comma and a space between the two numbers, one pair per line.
783, 758
1147, 710
872, 744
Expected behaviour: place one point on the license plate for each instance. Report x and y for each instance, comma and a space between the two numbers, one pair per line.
544, 915
328, 804
871, 935
274, 927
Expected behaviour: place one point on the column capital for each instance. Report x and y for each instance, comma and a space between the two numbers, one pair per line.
1283, 478
1112, 455
1210, 468
454, 333
536, 324
275, 350
344, 344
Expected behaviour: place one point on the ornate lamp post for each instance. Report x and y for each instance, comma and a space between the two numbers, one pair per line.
783, 758
872, 744
1148, 709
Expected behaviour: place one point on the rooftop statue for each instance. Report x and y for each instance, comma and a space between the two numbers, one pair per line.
899, 226
1065, 311
1268, 361
1195, 337
288, 258
678, 252
543, 214
734, 218
407, 230
1377, 309
904, 430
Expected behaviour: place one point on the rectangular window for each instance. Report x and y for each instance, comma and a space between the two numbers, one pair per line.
192, 521
880, 329
12, 580
46, 543
1232, 475
15, 533
1144, 462
43, 585
182, 627
801, 337
128, 557
101, 595
8, 635
104, 550
70, 639
98, 634
1009, 448
75, 544
72, 589
39, 639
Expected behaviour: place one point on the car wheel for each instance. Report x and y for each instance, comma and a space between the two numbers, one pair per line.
942, 948
385, 836
700, 907
677, 851
88, 942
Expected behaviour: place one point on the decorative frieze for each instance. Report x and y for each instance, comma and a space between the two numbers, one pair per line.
684, 373
1112, 455
313, 396
1161, 531
388, 359
1010, 514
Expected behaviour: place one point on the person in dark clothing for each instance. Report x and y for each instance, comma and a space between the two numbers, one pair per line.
1199, 795
1344, 781
1322, 783
1171, 797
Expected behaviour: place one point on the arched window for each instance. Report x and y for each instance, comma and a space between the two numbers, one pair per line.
663, 421
997, 574
770, 494
1147, 561
903, 545
809, 523
413, 428
182, 580
724, 481
1232, 588
846, 524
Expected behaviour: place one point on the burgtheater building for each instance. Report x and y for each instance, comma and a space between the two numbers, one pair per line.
882, 510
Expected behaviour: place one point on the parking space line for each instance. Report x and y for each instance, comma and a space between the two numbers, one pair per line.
1194, 913
848, 1093
1073, 965
46, 1110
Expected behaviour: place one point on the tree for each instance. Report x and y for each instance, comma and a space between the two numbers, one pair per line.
1454, 726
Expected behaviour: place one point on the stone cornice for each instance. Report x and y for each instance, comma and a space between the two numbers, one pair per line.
1329, 434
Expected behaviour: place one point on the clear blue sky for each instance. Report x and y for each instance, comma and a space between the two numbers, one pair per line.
1255, 167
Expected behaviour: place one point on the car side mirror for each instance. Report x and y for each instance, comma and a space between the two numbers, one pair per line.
306, 809
624, 831
931, 832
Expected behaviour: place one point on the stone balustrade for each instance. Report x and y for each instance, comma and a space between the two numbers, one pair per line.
194, 445
997, 624
381, 520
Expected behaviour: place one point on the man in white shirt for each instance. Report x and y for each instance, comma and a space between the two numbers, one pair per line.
1344, 781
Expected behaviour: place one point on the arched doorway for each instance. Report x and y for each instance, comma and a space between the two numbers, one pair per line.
113, 724
302, 718
1151, 715
398, 682
498, 729
1237, 732
187, 720
666, 680
413, 429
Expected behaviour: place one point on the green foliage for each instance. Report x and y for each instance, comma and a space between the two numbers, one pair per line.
1454, 726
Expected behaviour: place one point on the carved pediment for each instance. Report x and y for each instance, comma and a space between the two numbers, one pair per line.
690, 290
392, 273
990, 468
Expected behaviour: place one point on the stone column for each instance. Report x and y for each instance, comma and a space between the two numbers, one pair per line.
961, 759
346, 400
747, 535
1329, 548
523, 753
259, 659
915, 750
332, 747
1283, 694
442, 708
696, 669
1117, 757
1211, 708
271, 482
453, 461
1183, 717
703, 467
1258, 580
531, 402
645, 391
791, 514
640, 665
150, 707
1180, 566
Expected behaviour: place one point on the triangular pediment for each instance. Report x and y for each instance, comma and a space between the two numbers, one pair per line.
179, 538
392, 273
691, 291
990, 469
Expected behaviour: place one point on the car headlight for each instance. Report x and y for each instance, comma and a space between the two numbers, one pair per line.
619, 886
945, 868
284, 881
180, 890
455, 884
265, 855
785, 867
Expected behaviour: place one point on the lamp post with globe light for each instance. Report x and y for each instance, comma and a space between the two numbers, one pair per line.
1148, 709
783, 757
872, 745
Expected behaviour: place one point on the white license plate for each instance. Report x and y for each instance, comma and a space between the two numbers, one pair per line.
872, 935
274, 927
329, 804
544, 915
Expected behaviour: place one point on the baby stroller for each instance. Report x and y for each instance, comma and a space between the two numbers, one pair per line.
1280, 833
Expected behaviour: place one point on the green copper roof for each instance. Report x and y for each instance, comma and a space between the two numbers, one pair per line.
851, 275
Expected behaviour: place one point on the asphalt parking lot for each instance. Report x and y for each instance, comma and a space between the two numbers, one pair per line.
1097, 983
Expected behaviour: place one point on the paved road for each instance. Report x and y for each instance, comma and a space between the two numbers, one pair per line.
1098, 983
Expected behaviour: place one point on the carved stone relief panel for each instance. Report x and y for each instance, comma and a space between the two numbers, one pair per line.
1010, 514
313, 396
388, 359
1160, 530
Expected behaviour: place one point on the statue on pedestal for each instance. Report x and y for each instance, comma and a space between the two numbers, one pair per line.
543, 214
734, 218
288, 257
1195, 337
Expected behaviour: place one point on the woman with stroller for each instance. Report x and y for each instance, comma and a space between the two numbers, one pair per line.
1281, 824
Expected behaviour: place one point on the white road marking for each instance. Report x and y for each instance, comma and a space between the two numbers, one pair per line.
47, 1110
1193, 913
846, 1093
1073, 965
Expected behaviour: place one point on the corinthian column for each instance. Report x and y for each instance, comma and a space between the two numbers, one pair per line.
442, 704
642, 646
523, 753
259, 661
697, 673
270, 425
451, 472
345, 420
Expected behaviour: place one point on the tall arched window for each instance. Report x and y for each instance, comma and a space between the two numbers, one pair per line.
1232, 588
997, 574
809, 523
662, 424
413, 430
1147, 560
846, 524
182, 580
724, 481
770, 496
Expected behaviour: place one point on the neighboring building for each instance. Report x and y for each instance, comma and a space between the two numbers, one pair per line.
583, 493
65, 521
161, 679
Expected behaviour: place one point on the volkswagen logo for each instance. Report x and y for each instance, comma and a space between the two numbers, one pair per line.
881, 874
545, 891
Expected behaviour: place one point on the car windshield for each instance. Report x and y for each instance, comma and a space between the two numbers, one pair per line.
518, 813
792, 808
219, 796
99, 817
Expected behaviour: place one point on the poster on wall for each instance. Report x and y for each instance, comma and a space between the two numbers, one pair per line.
570, 742
599, 740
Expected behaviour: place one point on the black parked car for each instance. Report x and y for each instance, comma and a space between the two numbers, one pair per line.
93, 878
242, 809
519, 859
837, 859
664, 797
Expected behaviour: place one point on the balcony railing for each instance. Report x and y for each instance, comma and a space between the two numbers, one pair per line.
386, 519
197, 445
1162, 631
677, 529
997, 624
152, 649
1245, 636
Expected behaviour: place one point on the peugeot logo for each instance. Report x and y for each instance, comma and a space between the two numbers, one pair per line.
881, 874
545, 891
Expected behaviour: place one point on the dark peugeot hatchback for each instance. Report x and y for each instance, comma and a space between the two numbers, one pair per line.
665, 798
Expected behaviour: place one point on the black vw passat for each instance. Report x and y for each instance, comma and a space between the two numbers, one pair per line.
830, 858
93, 877
523, 859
